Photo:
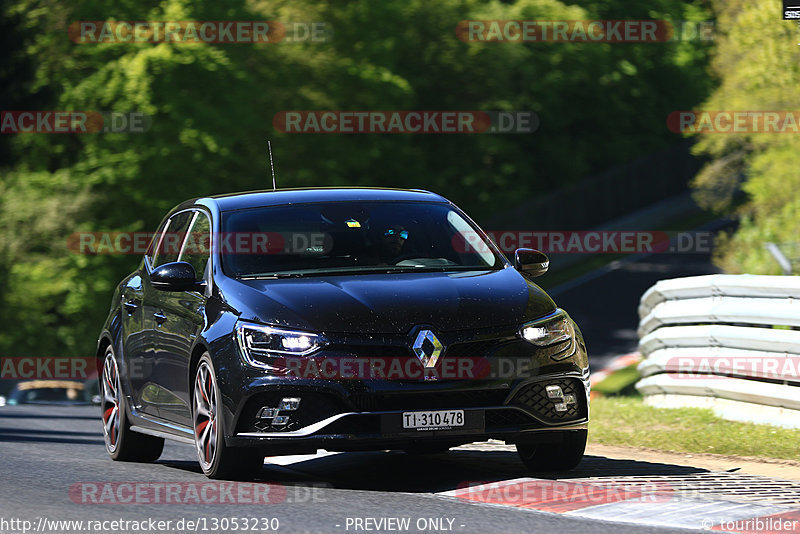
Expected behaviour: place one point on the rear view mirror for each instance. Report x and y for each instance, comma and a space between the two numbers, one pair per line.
175, 276
531, 262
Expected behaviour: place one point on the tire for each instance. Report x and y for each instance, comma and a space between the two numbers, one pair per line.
217, 460
554, 457
122, 443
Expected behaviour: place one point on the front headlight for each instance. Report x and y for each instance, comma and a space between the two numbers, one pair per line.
549, 330
258, 343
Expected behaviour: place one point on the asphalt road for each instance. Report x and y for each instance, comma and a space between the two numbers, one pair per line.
51, 455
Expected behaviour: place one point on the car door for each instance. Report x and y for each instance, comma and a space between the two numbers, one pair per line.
184, 319
138, 342
151, 399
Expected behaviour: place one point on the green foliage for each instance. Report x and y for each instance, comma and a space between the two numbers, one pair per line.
757, 61
212, 108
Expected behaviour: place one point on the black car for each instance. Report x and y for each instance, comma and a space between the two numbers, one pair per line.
283, 322
56, 392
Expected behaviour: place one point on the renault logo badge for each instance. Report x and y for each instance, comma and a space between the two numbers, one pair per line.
428, 348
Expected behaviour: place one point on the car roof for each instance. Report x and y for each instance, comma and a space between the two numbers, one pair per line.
254, 199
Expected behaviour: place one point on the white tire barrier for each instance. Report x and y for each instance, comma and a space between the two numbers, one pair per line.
727, 342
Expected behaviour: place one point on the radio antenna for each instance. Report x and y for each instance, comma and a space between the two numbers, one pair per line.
271, 164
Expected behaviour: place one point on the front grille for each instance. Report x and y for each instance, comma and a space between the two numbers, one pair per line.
373, 351
533, 398
313, 407
471, 349
429, 400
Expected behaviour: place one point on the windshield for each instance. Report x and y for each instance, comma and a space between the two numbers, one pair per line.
364, 237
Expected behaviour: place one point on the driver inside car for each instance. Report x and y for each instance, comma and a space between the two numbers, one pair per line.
390, 244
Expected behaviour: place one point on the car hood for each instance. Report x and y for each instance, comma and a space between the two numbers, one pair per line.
390, 303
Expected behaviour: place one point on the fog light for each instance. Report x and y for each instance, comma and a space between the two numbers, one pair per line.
289, 403
554, 392
569, 399
280, 420
267, 413
560, 407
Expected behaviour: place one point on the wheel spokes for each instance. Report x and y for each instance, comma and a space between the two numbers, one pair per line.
211, 445
202, 410
205, 423
111, 401
110, 379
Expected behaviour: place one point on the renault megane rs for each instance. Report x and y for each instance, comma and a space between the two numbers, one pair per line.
287, 321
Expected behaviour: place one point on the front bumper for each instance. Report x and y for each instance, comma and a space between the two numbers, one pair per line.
372, 421
354, 414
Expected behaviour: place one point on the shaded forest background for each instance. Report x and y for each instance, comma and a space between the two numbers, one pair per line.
600, 105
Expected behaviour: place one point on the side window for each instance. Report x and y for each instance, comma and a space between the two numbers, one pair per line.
197, 247
151, 248
170, 244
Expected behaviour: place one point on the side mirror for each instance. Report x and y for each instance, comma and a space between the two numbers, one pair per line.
531, 262
175, 276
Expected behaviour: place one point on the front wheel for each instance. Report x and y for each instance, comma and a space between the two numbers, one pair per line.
554, 457
122, 443
217, 460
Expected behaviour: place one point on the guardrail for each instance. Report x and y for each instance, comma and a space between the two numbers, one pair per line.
726, 342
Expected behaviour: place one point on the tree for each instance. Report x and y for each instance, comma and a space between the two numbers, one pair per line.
757, 63
212, 107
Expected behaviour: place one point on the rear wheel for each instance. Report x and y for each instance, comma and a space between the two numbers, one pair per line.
552, 457
217, 460
122, 443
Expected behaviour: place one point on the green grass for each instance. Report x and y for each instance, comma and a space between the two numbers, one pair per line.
620, 382
628, 421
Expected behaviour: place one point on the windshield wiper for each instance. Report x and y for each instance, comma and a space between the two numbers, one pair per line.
271, 276
374, 270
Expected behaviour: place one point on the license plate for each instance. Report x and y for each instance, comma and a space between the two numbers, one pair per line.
433, 420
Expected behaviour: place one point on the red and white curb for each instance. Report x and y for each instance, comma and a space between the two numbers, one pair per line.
654, 503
